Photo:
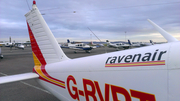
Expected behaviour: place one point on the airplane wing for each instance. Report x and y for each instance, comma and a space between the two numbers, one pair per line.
165, 34
18, 77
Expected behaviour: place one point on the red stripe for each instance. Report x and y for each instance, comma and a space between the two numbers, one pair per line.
138, 62
52, 82
42, 78
45, 73
114, 65
136, 65
38, 53
35, 47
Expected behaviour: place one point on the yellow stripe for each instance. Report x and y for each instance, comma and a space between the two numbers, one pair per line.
151, 63
36, 61
38, 70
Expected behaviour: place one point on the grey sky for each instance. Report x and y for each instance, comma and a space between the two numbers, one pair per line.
108, 19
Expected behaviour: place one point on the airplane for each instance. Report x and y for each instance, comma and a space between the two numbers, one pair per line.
2, 43
133, 44
19, 46
78, 47
117, 45
141, 74
9, 44
147, 44
69, 44
96, 45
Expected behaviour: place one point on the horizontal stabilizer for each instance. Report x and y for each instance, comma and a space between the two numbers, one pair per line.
165, 34
18, 77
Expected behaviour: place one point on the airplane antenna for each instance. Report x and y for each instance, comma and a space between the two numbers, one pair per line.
28, 5
97, 38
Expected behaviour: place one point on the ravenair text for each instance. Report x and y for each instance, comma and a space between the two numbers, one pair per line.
139, 57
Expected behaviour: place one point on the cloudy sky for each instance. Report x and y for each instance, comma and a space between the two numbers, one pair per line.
115, 20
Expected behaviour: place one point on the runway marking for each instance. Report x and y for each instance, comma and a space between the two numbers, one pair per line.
35, 87
3, 74
29, 84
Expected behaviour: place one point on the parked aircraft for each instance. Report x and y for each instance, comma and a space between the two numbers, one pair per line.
92, 44
147, 44
2, 44
141, 74
134, 44
9, 44
19, 46
78, 47
117, 45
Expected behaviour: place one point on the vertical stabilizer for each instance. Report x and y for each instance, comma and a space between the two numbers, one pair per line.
165, 34
151, 42
44, 45
68, 41
129, 42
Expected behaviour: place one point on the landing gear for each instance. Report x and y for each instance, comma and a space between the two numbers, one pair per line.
88, 51
117, 49
1, 56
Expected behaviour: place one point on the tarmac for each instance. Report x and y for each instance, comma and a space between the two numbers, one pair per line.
18, 61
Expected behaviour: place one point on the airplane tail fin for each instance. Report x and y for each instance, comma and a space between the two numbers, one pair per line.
68, 41
107, 42
151, 42
129, 42
45, 48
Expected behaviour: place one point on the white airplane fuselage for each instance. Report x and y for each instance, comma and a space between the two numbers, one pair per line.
137, 71
8, 44
118, 45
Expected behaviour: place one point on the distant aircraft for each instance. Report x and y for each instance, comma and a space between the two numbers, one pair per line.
14, 44
134, 44
19, 46
141, 74
92, 44
117, 45
9, 44
78, 47
147, 44
2, 44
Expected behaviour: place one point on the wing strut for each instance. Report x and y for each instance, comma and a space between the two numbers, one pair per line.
165, 34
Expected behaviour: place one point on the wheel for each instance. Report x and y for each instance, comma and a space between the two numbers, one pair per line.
88, 51
1, 56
